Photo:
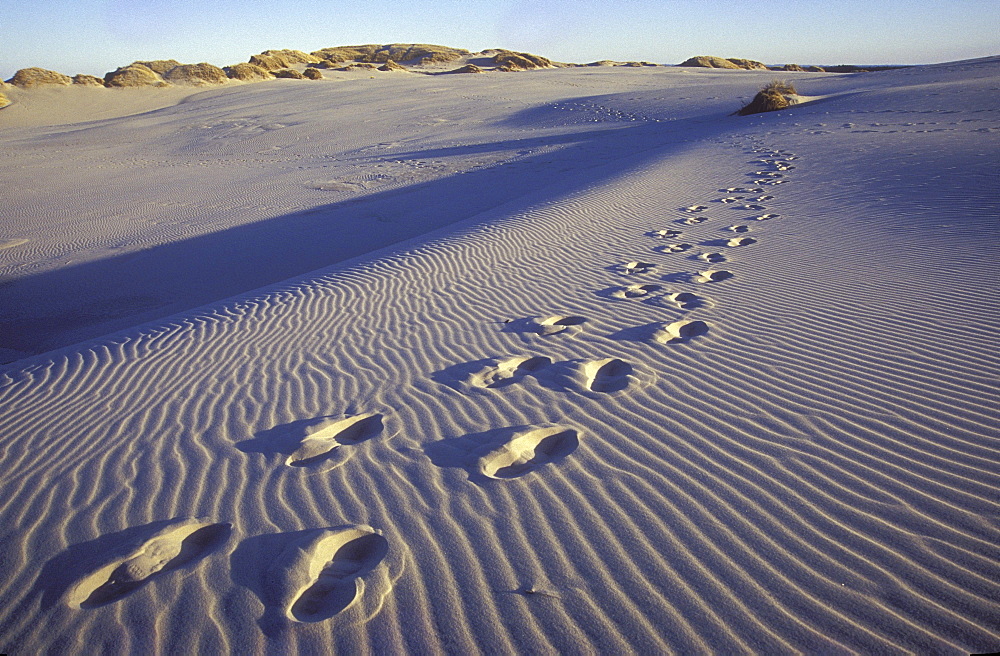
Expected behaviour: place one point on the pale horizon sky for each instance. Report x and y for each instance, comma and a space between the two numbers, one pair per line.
97, 36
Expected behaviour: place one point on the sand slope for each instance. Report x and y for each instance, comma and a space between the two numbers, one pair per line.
579, 439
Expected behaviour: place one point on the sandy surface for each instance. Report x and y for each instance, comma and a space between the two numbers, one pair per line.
568, 361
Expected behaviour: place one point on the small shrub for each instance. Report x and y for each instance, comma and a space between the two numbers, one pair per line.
771, 98
312, 74
289, 73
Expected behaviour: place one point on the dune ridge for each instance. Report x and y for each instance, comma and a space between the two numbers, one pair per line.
817, 472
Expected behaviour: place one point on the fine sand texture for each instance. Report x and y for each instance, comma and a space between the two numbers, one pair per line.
562, 361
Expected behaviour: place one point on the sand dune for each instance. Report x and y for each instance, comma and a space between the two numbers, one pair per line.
510, 437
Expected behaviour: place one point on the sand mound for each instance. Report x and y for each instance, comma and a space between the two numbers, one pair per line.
289, 73
158, 66
27, 78
775, 96
312, 74
133, 75
508, 60
747, 64
4, 100
468, 68
706, 61
793, 67
397, 52
196, 74
88, 80
247, 72
391, 66
273, 60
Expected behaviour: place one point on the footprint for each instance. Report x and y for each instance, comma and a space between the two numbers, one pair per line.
11, 243
181, 542
685, 300
738, 228
675, 248
528, 450
319, 576
680, 331
761, 199
768, 174
607, 375
324, 437
712, 257
736, 242
731, 199
507, 372
636, 291
694, 220
753, 208
766, 217
558, 323
741, 190
638, 267
713, 276
695, 208
666, 233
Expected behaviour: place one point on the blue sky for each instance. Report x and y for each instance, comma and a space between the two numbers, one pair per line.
96, 36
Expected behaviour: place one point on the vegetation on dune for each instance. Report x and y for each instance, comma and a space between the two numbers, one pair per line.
312, 74
247, 72
133, 75
508, 61
88, 80
772, 97
196, 74
27, 78
289, 73
397, 52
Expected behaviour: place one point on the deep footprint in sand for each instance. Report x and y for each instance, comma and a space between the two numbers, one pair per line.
666, 233
320, 575
712, 257
741, 190
752, 207
675, 248
607, 375
506, 372
731, 199
694, 208
324, 437
694, 220
558, 323
736, 242
766, 217
738, 228
638, 267
680, 331
179, 543
636, 291
685, 300
712, 276
528, 450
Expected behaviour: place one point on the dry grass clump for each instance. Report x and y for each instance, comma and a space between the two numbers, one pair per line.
391, 66
771, 98
26, 78
247, 72
88, 80
468, 68
289, 73
4, 100
133, 75
312, 74
196, 74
